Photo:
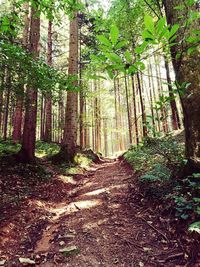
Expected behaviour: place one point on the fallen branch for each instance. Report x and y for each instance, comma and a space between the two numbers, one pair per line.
163, 235
172, 257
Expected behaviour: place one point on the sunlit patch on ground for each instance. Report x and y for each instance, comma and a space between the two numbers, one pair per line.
74, 207
91, 225
67, 179
96, 192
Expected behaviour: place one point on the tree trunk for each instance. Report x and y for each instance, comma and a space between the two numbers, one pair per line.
61, 114
42, 116
128, 111
135, 111
121, 140
7, 101
81, 99
154, 98
18, 115
69, 143
48, 102
144, 126
105, 137
160, 94
151, 105
27, 152
116, 116
187, 70
1, 97
175, 116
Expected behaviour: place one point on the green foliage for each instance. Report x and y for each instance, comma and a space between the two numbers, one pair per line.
195, 227
157, 32
36, 74
44, 149
8, 148
159, 172
186, 196
157, 160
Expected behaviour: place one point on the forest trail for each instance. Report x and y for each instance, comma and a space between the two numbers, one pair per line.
101, 226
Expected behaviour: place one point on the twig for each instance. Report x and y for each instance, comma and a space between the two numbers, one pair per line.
163, 235
77, 207
146, 2
172, 257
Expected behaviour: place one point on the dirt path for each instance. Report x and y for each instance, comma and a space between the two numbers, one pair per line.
100, 227
104, 222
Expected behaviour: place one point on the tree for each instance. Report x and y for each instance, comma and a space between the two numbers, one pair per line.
48, 102
27, 152
69, 142
186, 58
17, 124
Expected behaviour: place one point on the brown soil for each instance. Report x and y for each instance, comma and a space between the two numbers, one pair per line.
102, 213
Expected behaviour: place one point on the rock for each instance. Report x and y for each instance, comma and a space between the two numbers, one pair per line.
67, 251
26, 261
62, 243
2, 262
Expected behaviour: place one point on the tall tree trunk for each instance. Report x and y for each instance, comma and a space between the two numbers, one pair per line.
27, 152
17, 124
69, 143
175, 116
48, 102
135, 110
144, 123
105, 137
61, 114
154, 98
7, 101
151, 104
116, 116
128, 111
42, 116
160, 94
81, 99
18, 115
121, 140
1, 97
187, 70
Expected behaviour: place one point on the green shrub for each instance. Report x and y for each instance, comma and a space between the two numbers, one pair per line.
44, 149
8, 147
186, 196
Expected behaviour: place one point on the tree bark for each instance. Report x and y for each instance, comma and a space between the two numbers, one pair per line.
69, 142
144, 126
187, 71
1, 97
48, 102
7, 101
18, 115
135, 110
175, 115
128, 111
27, 152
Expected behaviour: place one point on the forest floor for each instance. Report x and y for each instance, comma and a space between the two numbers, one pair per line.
97, 218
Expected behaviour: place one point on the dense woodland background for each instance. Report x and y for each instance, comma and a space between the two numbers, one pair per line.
139, 98
106, 78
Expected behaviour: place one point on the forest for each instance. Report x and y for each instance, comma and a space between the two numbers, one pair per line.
100, 133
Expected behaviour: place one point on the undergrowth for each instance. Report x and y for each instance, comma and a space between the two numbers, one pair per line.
158, 163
